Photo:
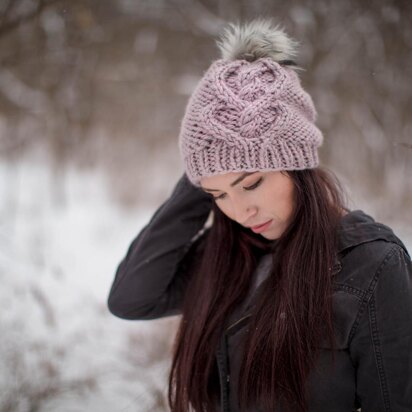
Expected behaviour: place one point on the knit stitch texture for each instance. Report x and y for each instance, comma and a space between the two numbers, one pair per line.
248, 116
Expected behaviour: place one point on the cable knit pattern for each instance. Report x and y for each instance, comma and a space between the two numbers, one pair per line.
248, 116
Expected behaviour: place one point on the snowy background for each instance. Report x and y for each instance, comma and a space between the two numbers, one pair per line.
91, 96
60, 348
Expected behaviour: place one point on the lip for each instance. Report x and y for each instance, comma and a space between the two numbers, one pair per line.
261, 228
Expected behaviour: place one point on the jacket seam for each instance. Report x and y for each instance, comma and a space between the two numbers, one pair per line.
368, 305
369, 292
378, 354
350, 289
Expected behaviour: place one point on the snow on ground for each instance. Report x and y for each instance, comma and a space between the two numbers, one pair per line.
61, 350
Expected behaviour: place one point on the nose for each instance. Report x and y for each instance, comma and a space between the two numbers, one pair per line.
244, 213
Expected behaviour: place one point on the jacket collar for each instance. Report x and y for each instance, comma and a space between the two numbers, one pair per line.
357, 228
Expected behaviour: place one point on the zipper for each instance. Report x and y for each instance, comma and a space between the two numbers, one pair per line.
222, 363
230, 327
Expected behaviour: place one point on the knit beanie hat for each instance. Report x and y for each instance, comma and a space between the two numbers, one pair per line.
249, 111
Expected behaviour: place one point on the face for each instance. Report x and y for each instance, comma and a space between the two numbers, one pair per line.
254, 198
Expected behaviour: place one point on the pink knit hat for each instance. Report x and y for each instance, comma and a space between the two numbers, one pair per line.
249, 112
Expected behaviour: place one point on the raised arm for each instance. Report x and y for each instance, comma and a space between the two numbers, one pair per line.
382, 344
150, 280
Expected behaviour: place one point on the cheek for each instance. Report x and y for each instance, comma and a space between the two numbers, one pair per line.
225, 209
281, 202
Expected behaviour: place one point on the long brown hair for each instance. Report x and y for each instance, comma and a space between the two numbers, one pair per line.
293, 313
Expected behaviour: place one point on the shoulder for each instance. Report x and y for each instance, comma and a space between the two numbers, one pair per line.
377, 274
365, 247
361, 266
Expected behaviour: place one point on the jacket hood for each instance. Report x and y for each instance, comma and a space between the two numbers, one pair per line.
357, 228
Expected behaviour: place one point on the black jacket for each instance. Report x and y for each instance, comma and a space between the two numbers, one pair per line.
372, 304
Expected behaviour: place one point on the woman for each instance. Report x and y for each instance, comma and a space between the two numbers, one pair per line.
289, 300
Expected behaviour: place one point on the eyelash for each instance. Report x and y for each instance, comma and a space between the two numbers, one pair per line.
254, 186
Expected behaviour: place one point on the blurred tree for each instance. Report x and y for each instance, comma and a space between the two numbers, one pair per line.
12, 15
107, 82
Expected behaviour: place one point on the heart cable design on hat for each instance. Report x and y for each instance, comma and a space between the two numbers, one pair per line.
249, 111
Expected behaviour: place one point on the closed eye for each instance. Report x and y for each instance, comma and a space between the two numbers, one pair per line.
254, 186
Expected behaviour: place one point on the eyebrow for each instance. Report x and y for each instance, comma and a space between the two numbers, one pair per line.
238, 180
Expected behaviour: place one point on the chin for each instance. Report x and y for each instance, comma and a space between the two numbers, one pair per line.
270, 236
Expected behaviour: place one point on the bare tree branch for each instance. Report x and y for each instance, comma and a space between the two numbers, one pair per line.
7, 8
404, 144
8, 26
200, 16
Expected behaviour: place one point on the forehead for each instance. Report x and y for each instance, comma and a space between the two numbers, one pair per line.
223, 180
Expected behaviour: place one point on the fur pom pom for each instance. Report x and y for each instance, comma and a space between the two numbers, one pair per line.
256, 39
